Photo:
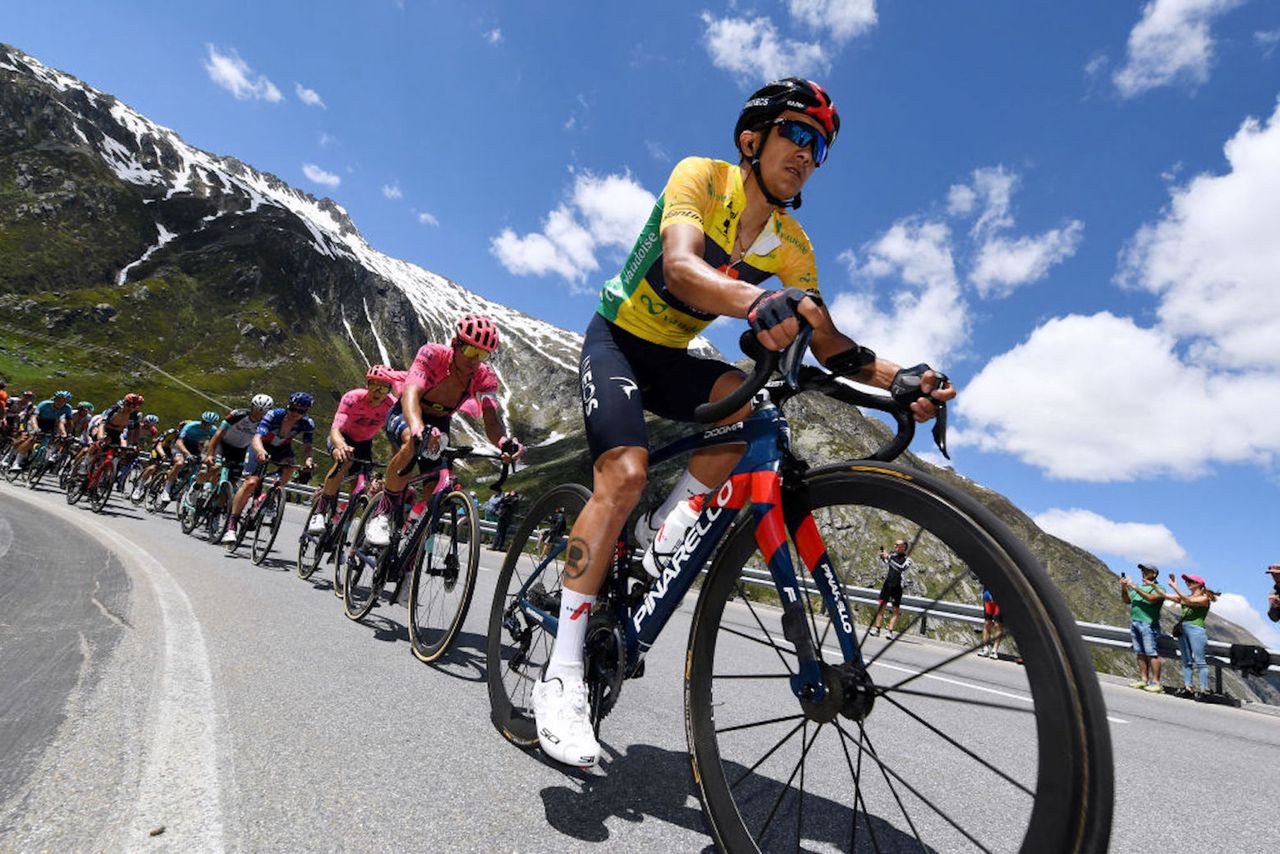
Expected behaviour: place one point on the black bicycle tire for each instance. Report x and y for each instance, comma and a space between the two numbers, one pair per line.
1071, 724
191, 520
518, 728
423, 650
355, 507
308, 560
101, 495
357, 612
37, 469
274, 494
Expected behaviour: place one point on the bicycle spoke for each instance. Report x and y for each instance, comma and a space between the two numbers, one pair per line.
1026, 710
862, 735
966, 751
889, 771
931, 668
743, 593
736, 727
767, 754
858, 799
753, 639
764, 830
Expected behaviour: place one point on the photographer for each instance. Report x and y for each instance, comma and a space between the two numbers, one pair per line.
1273, 600
1190, 630
1144, 601
896, 566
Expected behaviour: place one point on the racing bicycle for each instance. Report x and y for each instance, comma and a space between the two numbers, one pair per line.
803, 732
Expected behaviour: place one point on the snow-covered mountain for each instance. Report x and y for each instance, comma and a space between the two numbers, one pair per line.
385, 306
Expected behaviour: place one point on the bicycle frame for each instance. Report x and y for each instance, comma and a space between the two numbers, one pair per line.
758, 477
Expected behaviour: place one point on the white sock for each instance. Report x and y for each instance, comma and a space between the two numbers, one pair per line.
566, 652
685, 487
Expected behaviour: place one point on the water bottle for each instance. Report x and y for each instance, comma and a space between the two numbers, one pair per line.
670, 535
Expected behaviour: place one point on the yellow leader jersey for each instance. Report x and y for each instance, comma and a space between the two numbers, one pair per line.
709, 194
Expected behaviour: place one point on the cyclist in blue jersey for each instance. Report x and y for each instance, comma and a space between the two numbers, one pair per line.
190, 439
49, 417
273, 442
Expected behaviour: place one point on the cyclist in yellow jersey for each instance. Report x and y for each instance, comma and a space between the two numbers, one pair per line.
718, 231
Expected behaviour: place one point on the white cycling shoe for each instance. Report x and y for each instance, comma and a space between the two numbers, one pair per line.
563, 719
229, 537
316, 525
378, 531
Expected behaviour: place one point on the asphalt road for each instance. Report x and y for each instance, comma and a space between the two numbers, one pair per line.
152, 684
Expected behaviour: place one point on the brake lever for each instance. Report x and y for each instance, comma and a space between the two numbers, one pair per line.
940, 428
793, 357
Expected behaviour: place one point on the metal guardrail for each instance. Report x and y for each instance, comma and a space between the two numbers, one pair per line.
1217, 653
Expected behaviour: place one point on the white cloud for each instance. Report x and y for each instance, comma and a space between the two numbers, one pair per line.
1137, 542
613, 207
843, 19
310, 97
1094, 66
1098, 398
232, 73
1171, 43
756, 51
925, 321
1267, 40
1237, 609
1214, 257
657, 151
326, 139
960, 200
317, 175
425, 218
493, 36
1004, 264
392, 190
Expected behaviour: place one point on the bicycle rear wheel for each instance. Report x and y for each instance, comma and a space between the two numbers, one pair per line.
100, 495
219, 511
310, 546
39, 464
879, 764
188, 512
270, 516
444, 578
365, 573
342, 540
528, 587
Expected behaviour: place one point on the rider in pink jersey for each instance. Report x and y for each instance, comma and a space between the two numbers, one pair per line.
443, 379
360, 416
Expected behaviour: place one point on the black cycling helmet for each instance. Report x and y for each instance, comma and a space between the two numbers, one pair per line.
771, 101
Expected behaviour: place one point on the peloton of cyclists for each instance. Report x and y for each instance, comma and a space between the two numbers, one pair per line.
443, 379
273, 441
117, 425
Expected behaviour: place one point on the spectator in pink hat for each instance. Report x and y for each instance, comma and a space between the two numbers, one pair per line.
1273, 600
1190, 630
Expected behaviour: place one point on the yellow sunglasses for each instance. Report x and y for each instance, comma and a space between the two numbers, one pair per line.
471, 351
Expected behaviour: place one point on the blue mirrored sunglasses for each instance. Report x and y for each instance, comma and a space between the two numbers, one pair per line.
801, 134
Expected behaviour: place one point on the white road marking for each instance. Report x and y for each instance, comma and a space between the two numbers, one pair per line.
179, 788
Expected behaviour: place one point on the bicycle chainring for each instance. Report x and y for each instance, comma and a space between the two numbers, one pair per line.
604, 664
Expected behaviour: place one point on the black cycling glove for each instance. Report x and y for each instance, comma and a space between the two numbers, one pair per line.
905, 387
773, 307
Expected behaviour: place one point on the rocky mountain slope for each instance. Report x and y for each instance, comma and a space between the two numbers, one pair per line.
128, 257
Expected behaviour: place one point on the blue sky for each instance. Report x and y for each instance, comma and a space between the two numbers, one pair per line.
1071, 207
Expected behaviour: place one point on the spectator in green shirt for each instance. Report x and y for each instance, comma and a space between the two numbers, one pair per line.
1144, 601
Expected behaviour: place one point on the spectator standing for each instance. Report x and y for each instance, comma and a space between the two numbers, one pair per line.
896, 566
1273, 600
491, 507
992, 623
1145, 601
506, 511
1192, 639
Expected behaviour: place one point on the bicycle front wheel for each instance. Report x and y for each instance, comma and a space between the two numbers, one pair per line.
926, 746
270, 516
342, 540
444, 578
309, 546
528, 589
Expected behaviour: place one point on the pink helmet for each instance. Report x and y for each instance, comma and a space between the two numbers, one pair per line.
380, 374
478, 330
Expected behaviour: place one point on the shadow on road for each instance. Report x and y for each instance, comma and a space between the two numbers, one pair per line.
656, 783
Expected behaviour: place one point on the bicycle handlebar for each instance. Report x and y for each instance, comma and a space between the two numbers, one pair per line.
450, 455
